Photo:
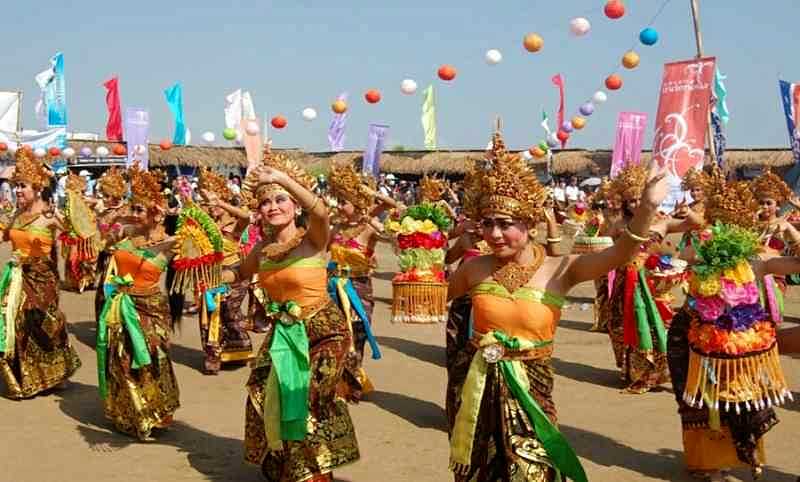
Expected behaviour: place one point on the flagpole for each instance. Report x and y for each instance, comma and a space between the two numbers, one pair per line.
698, 38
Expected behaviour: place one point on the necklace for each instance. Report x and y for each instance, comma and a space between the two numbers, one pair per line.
275, 251
156, 237
513, 275
25, 219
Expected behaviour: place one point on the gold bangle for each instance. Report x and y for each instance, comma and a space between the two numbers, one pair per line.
554, 240
314, 204
635, 237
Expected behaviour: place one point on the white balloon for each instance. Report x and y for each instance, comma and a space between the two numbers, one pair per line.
208, 137
599, 97
102, 151
579, 26
408, 87
139, 149
252, 128
526, 154
40, 152
68, 152
309, 114
493, 57
12, 148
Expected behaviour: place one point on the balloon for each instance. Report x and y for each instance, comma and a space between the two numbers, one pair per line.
239, 138
165, 144
493, 57
613, 82
86, 151
614, 9
119, 150
552, 141
208, 137
3, 147
543, 145
537, 152
586, 109
339, 106
579, 26
139, 149
54, 151
648, 36
578, 122
39, 152
408, 86
526, 155
533, 42
630, 60
562, 136
229, 133
372, 96
278, 122
309, 114
252, 128
69, 152
599, 97
447, 72
102, 151
566, 126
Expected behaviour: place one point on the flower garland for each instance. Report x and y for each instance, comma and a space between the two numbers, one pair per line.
196, 216
421, 239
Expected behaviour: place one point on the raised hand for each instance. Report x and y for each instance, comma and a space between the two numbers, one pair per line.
657, 187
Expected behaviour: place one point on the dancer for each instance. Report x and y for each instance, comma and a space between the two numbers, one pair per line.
109, 210
296, 428
79, 248
500, 377
35, 352
135, 376
777, 234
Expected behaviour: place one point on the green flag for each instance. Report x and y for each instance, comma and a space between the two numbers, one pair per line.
429, 118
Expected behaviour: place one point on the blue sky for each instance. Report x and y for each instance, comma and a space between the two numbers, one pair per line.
302, 53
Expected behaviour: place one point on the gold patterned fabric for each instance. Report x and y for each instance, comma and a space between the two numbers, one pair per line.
331, 440
601, 305
43, 357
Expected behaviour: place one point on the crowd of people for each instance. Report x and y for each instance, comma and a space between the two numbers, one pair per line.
290, 255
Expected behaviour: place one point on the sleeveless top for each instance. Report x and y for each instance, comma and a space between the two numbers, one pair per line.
302, 280
144, 266
527, 313
350, 254
31, 241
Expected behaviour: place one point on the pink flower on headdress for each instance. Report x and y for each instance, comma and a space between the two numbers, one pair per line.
746, 294
710, 308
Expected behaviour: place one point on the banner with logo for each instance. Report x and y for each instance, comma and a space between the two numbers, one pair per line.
56, 94
629, 139
682, 120
372, 154
137, 127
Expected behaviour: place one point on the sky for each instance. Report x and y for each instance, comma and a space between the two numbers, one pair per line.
303, 53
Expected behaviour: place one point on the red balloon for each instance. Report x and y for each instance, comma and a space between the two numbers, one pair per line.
165, 144
278, 122
562, 136
447, 72
119, 150
3, 147
614, 9
373, 96
54, 151
613, 82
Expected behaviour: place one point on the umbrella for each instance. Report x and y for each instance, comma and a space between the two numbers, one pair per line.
592, 181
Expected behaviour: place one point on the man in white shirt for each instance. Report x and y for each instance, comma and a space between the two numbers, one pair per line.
559, 193
573, 192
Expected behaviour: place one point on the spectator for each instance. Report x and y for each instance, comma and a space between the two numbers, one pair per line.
573, 192
235, 185
559, 193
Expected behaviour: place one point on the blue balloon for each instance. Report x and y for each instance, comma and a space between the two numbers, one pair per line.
648, 36
566, 126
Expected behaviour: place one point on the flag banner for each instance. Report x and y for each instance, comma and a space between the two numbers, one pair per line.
233, 109
721, 96
628, 142
719, 138
429, 118
790, 95
682, 120
376, 138
137, 127
174, 97
336, 129
56, 94
252, 145
9, 111
114, 123
558, 81
248, 109
57, 136
43, 79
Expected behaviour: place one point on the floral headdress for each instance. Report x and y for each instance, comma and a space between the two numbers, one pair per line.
349, 185
770, 185
113, 184
213, 182
729, 202
75, 182
31, 170
629, 183
695, 178
431, 189
505, 184
146, 187
255, 194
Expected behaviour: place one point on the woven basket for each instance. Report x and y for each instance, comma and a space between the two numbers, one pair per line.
419, 302
581, 248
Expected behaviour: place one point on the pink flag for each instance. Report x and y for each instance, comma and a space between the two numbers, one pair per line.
114, 125
558, 81
628, 145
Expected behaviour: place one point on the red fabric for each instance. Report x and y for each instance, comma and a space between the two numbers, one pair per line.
114, 125
630, 333
665, 311
558, 81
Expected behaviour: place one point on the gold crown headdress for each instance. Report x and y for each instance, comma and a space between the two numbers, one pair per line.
30, 170
693, 179
349, 185
213, 182
729, 202
629, 183
279, 162
75, 182
113, 184
146, 187
504, 184
604, 191
431, 189
770, 185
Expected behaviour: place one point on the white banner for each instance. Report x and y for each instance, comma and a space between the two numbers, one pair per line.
9, 111
248, 110
45, 139
233, 109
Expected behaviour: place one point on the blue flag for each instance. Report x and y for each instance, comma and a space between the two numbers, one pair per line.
174, 96
790, 96
56, 94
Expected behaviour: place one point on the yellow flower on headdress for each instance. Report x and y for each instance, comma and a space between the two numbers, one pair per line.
393, 226
428, 227
410, 225
705, 287
741, 274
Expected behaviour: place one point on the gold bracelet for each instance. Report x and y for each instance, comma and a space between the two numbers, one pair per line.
314, 204
635, 237
554, 240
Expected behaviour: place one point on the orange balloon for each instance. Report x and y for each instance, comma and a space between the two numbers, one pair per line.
533, 42
537, 152
447, 72
372, 96
278, 122
630, 60
54, 151
3, 147
613, 82
339, 106
578, 122
165, 145
119, 150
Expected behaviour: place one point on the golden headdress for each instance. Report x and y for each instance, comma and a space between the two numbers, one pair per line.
213, 182
30, 170
431, 189
113, 184
770, 185
729, 202
279, 162
146, 187
604, 191
629, 183
504, 184
695, 178
75, 182
349, 185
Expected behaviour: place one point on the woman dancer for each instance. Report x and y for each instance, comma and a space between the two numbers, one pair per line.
109, 211
79, 253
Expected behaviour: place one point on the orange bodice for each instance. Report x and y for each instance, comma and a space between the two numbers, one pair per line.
140, 264
31, 241
528, 313
302, 280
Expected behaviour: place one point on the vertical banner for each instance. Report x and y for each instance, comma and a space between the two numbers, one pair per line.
252, 145
114, 123
558, 81
56, 94
248, 109
336, 129
628, 142
682, 120
137, 126
9, 111
233, 109
429, 118
174, 96
790, 95
372, 154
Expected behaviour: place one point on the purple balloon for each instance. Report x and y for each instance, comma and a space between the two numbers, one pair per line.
587, 109
566, 126
552, 142
86, 151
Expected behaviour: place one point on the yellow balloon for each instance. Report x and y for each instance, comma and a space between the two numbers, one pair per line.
578, 122
630, 60
339, 106
533, 42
